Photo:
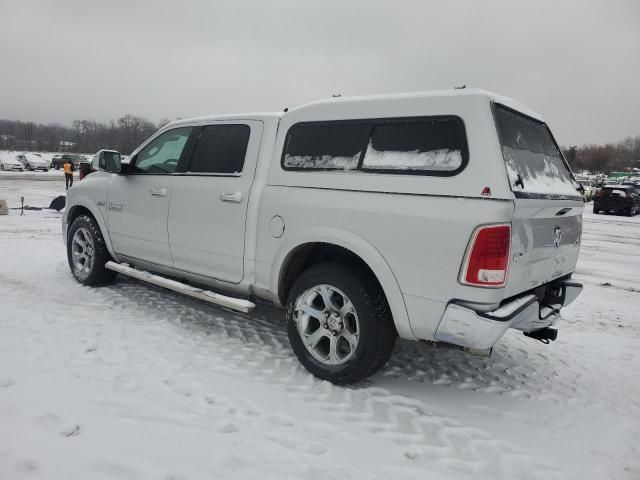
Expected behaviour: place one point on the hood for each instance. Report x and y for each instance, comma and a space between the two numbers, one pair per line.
10, 161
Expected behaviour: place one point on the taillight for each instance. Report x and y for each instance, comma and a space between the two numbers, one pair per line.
487, 259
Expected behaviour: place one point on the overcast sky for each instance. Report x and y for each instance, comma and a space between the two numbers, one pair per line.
577, 62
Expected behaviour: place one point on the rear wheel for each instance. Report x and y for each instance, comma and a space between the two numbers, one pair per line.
87, 253
339, 324
595, 210
629, 212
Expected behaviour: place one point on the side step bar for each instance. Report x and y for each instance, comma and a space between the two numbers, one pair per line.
233, 303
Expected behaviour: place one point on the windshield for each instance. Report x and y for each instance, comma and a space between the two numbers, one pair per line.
615, 191
534, 163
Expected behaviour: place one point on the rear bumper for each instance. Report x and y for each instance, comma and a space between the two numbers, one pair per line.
481, 330
614, 206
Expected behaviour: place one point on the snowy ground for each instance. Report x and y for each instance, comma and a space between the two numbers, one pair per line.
133, 382
52, 174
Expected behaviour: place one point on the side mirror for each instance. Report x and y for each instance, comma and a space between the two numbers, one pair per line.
110, 162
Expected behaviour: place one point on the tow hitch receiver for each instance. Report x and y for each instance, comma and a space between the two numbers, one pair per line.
545, 335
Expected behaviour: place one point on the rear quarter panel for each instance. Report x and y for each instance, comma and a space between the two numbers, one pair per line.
422, 240
419, 225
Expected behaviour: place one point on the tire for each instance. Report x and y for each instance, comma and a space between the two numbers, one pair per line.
595, 210
88, 269
57, 167
371, 322
2, 167
629, 212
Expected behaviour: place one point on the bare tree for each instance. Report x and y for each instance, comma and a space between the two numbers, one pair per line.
88, 136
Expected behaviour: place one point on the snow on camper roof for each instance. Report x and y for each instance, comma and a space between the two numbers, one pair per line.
365, 103
386, 99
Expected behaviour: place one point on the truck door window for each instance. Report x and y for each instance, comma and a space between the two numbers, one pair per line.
220, 149
161, 156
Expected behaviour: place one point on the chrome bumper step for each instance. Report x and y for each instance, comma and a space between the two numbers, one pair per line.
238, 304
481, 330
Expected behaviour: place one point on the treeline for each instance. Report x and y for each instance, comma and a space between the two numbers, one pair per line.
83, 136
607, 158
126, 133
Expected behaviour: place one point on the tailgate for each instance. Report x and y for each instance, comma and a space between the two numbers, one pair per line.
545, 240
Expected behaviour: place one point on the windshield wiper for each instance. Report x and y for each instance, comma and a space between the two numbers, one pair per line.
519, 182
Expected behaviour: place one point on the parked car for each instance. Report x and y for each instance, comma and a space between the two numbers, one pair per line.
617, 198
635, 185
58, 161
589, 189
84, 169
33, 161
9, 163
448, 217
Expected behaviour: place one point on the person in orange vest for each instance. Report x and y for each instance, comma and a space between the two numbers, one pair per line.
68, 173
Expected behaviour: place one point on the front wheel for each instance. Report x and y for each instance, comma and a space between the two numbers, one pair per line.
339, 324
87, 253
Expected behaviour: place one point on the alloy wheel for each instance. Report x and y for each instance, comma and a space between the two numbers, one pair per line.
327, 323
82, 252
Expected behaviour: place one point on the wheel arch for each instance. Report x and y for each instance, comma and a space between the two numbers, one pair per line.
80, 207
326, 244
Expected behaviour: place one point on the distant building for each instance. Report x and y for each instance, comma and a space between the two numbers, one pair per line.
65, 146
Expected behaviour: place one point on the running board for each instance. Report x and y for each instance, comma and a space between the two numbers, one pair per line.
233, 303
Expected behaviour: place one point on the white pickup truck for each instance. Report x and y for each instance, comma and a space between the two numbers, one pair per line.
445, 216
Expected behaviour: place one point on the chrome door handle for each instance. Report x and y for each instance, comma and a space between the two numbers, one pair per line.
158, 192
235, 197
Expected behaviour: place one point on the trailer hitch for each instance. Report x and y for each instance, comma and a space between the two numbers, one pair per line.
545, 335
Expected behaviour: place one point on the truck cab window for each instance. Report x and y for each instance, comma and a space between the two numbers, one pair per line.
161, 156
220, 149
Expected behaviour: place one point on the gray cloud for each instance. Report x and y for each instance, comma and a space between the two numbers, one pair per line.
576, 62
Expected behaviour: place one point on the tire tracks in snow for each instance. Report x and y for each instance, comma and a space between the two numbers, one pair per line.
258, 347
